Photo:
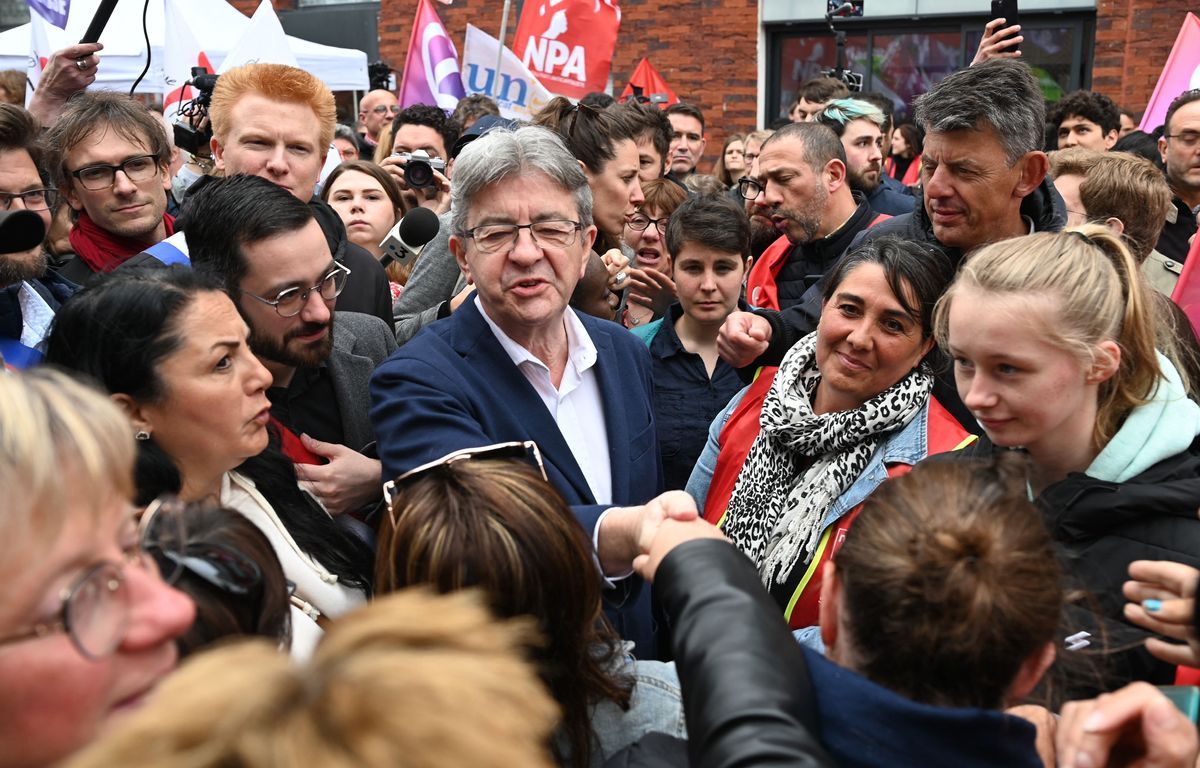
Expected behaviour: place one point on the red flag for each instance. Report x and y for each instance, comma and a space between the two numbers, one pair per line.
1187, 290
646, 77
1181, 73
568, 44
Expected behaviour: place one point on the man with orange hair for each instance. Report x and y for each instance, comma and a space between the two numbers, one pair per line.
277, 122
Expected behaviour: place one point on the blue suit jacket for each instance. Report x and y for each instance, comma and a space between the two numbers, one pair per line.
453, 386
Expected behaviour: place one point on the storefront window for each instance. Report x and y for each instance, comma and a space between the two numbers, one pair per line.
906, 62
803, 58
905, 66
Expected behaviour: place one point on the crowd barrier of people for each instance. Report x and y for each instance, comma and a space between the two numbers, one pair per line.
877, 445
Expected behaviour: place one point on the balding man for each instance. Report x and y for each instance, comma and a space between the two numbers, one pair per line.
375, 112
802, 186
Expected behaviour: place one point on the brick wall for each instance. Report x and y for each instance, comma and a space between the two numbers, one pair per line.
706, 50
1133, 39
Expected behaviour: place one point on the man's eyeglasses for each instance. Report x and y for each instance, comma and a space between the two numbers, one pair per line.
290, 301
95, 608
384, 108
555, 233
640, 221
33, 199
1188, 139
526, 450
103, 175
749, 189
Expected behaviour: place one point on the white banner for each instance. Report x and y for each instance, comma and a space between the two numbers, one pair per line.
519, 94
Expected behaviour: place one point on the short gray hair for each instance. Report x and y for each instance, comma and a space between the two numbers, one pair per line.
1000, 93
345, 132
503, 154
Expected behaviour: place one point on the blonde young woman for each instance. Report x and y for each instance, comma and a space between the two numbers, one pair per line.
1053, 340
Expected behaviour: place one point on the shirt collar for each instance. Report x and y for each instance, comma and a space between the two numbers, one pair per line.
581, 351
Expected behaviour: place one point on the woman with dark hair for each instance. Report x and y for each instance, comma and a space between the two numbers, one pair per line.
605, 142
471, 520
709, 243
231, 573
369, 202
171, 349
791, 458
940, 609
904, 163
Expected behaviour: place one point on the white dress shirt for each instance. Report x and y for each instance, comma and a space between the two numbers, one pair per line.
575, 404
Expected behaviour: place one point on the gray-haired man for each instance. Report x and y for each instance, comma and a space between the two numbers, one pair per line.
516, 363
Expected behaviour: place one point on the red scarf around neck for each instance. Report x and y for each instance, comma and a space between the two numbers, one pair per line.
103, 251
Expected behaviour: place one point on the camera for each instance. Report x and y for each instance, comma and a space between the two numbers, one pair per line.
419, 168
192, 133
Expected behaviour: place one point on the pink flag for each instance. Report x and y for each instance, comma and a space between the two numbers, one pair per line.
431, 73
1187, 290
1181, 73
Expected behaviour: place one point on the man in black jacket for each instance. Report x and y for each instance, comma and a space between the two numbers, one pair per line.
802, 185
277, 122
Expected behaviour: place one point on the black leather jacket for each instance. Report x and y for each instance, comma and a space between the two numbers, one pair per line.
746, 688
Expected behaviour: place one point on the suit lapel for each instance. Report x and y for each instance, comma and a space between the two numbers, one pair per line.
350, 374
616, 417
474, 340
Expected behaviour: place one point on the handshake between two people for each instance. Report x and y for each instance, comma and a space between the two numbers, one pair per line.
638, 538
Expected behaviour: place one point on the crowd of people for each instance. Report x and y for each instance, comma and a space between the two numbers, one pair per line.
877, 445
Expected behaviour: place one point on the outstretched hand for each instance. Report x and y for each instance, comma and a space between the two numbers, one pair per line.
1135, 726
670, 534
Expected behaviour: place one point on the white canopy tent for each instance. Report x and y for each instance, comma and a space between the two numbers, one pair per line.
215, 24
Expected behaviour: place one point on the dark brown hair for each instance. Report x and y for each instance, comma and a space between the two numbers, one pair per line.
397, 273
262, 609
89, 114
499, 526
949, 582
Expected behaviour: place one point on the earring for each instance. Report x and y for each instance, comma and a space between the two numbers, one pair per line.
141, 434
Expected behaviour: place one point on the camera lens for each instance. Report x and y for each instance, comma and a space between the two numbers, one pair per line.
418, 173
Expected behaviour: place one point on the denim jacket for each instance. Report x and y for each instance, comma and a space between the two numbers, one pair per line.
907, 446
655, 707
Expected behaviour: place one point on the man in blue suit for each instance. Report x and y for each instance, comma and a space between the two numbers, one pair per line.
514, 362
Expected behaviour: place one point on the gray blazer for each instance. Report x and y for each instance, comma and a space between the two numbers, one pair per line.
360, 342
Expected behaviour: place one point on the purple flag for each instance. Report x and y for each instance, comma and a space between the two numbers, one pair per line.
431, 73
53, 11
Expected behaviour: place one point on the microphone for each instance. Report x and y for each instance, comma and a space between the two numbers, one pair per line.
409, 236
19, 231
103, 12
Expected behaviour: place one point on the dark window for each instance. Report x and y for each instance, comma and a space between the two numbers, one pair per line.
906, 58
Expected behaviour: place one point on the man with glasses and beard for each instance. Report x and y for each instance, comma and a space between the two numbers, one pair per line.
29, 293
267, 248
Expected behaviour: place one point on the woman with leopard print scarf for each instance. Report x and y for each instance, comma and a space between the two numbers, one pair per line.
848, 406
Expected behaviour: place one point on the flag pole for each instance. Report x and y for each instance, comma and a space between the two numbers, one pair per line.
500, 54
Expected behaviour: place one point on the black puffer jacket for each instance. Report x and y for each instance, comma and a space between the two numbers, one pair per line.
1101, 527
